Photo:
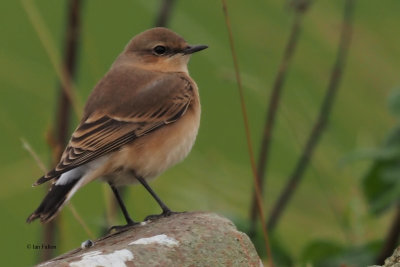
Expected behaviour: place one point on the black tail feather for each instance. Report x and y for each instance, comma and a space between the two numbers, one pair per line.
52, 202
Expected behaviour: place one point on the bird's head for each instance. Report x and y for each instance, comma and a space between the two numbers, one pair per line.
160, 49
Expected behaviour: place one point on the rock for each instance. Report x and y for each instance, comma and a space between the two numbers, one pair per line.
392, 261
184, 239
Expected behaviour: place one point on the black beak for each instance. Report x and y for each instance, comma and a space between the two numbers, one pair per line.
193, 49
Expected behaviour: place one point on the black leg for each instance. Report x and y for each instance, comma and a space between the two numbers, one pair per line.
165, 210
128, 219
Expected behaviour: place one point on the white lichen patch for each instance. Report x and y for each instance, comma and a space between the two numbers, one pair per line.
96, 258
157, 239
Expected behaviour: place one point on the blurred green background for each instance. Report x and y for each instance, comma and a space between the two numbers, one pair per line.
216, 176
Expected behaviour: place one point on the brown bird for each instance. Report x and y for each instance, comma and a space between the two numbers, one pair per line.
140, 119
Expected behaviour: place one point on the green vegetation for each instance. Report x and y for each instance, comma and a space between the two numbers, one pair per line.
329, 205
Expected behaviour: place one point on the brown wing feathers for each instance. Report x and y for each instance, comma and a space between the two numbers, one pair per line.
99, 136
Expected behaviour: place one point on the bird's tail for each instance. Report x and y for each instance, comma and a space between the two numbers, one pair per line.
54, 201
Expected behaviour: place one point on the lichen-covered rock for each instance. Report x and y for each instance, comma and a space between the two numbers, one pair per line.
185, 239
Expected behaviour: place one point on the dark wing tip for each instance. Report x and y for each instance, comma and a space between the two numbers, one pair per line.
52, 174
41, 180
32, 217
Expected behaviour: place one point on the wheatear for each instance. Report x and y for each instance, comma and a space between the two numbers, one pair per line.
140, 119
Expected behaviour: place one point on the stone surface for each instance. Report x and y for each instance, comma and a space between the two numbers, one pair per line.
185, 239
392, 261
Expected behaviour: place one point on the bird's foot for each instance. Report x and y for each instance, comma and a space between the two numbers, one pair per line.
165, 213
122, 228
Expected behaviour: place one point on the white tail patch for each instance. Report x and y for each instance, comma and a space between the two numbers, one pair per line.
71, 175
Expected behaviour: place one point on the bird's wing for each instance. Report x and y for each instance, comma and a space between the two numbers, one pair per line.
158, 104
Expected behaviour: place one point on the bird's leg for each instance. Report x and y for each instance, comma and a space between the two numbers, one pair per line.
129, 221
165, 210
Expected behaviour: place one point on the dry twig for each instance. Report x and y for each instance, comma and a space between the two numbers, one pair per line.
51, 50
65, 73
248, 138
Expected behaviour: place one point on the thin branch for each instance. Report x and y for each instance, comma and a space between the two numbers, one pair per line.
323, 117
164, 13
65, 73
50, 48
274, 101
392, 237
248, 137
81, 221
34, 155
48, 231
42, 166
69, 65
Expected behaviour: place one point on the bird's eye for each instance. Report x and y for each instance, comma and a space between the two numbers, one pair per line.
160, 50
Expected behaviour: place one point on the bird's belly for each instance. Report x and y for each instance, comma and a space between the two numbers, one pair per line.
150, 155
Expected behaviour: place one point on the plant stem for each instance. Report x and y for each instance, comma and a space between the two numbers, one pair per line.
164, 13
273, 105
320, 124
64, 105
248, 136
